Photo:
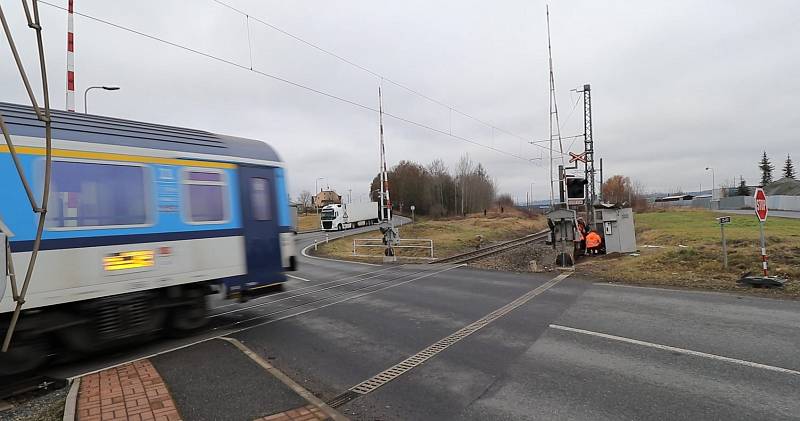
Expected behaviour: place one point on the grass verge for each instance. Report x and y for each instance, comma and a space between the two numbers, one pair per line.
450, 235
688, 252
308, 222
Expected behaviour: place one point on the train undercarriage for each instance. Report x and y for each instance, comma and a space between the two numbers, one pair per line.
97, 325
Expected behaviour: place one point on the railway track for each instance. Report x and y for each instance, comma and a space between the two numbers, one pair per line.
497, 248
273, 307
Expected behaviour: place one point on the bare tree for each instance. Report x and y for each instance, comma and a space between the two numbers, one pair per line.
305, 200
441, 184
433, 191
620, 190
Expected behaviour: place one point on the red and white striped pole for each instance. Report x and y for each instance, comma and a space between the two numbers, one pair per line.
764, 258
70, 58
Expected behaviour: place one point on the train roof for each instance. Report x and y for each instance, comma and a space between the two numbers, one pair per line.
22, 121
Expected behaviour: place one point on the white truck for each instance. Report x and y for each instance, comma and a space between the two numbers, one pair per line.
350, 215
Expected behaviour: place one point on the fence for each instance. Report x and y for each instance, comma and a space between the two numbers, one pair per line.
787, 203
404, 243
777, 202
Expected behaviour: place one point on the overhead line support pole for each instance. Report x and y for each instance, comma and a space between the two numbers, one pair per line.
588, 147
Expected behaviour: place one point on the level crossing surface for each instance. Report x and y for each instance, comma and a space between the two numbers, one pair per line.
539, 346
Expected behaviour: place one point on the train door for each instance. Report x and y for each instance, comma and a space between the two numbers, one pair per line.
259, 220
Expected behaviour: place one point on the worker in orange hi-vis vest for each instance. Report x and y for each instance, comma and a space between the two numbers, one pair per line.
593, 241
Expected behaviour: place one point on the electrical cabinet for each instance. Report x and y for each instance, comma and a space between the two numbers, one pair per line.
617, 227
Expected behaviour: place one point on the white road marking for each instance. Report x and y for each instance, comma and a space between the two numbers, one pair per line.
302, 289
341, 301
231, 332
676, 349
397, 370
299, 278
298, 295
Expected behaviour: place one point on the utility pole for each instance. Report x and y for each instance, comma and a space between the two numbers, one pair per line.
532, 199
555, 126
600, 194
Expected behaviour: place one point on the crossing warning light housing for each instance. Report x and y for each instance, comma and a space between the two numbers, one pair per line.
576, 190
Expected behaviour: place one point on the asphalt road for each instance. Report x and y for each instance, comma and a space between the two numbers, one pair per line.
556, 349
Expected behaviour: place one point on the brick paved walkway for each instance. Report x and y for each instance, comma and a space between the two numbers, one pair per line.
306, 413
132, 391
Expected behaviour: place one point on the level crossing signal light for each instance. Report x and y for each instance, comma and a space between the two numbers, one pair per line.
576, 189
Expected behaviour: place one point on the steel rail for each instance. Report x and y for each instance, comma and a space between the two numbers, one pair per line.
497, 248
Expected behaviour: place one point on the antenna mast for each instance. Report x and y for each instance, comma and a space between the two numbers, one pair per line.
555, 127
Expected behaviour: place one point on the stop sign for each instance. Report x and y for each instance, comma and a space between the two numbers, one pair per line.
761, 204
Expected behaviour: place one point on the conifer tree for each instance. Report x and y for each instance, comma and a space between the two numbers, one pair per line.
766, 168
788, 168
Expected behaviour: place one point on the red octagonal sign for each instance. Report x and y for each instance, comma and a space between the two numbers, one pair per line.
761, 204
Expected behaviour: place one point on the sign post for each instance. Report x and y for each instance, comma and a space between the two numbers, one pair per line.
761, 213
722, 221
412, 212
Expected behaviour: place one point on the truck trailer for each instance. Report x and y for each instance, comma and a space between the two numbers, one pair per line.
337, 217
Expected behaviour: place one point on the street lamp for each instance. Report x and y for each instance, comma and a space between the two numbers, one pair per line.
316, 192
532, 201
86, 92
713, 182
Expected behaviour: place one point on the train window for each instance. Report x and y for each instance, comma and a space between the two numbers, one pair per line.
259, 199
205, 196
87, 194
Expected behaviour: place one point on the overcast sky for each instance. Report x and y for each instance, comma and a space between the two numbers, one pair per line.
677, 85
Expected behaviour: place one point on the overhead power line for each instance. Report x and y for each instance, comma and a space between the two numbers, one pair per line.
367, 70
290, 82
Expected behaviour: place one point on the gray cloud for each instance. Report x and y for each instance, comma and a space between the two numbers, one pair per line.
677, 86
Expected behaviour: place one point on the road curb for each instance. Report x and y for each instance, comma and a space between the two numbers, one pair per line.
71, 404
304, 250
288, 381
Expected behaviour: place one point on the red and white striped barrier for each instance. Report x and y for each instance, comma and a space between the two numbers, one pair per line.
70, 58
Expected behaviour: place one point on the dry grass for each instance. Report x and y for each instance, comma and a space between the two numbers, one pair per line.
308, 222
450, 235
690, 253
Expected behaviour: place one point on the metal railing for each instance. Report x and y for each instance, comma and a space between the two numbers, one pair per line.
403, 243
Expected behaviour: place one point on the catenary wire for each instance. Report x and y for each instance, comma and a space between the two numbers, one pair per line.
367, 70
295, 84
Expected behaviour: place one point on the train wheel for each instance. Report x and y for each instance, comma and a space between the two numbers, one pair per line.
24, 354
190, 316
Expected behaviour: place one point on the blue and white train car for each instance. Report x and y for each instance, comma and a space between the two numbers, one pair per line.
144, 220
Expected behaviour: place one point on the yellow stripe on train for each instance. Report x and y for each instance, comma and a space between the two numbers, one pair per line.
66, 153
128, 260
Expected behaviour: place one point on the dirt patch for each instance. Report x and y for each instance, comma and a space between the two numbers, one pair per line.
536, 257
